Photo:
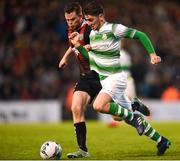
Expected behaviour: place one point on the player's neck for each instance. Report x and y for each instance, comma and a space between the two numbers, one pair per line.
102, 22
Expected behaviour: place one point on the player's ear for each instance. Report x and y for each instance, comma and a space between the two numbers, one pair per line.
81, 17
101, 17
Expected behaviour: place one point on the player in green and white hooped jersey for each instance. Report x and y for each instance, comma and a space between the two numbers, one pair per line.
125, 61
104, 59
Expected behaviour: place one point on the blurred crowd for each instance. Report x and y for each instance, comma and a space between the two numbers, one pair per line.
33, 39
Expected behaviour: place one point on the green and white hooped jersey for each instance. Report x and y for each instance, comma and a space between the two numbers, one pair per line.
105, 48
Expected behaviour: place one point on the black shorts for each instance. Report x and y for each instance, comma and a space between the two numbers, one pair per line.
89, 83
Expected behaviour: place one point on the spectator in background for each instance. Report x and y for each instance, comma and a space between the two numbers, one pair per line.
172, 92
35, 31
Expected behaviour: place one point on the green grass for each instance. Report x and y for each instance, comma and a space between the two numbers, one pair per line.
121, 143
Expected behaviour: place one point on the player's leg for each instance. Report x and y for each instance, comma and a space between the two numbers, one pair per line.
79, 102
86, 89
137, 104
130, 91
115, 91
162, 142
102, 104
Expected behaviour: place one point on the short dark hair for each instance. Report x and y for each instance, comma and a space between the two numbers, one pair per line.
73, 7
93, 8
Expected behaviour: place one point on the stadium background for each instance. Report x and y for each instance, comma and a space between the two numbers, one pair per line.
33, 40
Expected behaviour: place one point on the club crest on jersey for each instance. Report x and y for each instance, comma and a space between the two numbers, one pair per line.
93, 37
81, 36
104, 36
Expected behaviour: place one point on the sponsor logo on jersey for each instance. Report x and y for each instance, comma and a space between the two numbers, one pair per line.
93, 37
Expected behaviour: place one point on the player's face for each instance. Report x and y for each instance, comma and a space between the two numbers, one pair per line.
93, 21
73, 20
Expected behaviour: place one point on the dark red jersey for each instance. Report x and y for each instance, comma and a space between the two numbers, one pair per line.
84, 32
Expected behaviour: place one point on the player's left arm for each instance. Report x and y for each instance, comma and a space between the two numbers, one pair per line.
145, 40
121, 31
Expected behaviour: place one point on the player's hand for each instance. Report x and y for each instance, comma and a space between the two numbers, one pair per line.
87, 47
74, 37
155, 59
62, 63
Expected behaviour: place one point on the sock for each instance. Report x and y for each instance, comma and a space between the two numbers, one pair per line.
151, 132
80, 131
116, 109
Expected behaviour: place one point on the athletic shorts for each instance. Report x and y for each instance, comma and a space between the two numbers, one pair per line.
115, 86
89, 83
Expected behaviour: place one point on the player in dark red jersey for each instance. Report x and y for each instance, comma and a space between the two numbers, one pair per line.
88, 85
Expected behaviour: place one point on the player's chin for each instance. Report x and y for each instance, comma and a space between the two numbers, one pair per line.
93, 28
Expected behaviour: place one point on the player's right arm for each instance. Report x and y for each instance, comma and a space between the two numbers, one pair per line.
74, 37
64, 61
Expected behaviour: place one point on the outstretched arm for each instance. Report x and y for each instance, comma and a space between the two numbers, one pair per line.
64, 60
144, 39
148, 45
125, 32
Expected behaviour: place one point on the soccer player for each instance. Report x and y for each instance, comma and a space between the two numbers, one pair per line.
125, 61
104, 59
88, 85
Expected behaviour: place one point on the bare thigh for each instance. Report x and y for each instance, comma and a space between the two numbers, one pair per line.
79, 103
101, 103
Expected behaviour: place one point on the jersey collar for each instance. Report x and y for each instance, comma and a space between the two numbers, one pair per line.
103, 26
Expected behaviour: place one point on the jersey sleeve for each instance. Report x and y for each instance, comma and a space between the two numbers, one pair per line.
121, 31
144, 39
83, 51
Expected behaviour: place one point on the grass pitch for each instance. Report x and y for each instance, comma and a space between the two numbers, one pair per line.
23, 141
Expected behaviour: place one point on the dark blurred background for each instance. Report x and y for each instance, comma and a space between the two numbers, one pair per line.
33, 39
